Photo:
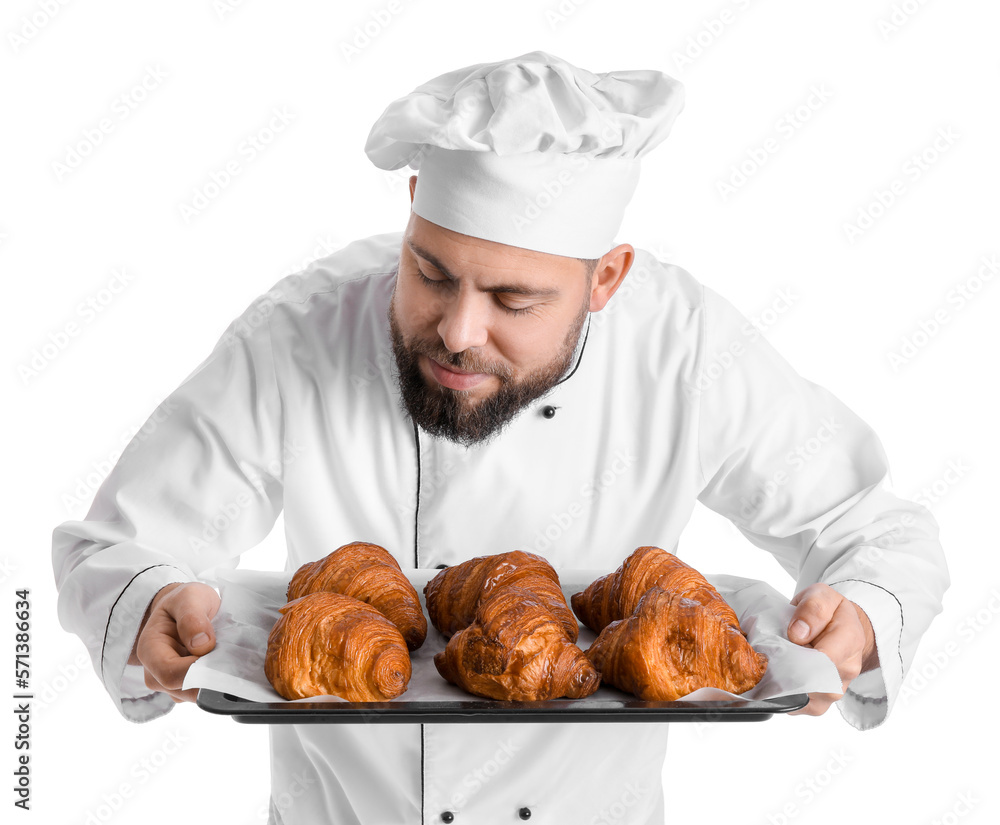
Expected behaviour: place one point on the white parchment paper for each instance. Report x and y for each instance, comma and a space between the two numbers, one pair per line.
251, 598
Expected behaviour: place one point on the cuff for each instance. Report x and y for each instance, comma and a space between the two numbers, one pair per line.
870, 697
124, 682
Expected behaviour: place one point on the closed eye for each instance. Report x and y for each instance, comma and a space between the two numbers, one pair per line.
435, 282
442, 283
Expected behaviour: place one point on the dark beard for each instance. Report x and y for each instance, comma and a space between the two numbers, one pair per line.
442, 411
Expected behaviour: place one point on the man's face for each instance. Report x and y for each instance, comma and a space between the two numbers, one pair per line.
480, 329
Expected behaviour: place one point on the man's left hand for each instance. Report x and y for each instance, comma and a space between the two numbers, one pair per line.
826, 621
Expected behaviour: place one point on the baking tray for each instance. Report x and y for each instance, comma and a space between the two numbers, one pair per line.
605, 708
430, 699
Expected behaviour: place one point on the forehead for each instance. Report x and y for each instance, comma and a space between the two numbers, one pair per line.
461, 255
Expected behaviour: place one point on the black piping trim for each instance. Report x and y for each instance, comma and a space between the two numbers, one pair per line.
416, 563
576, 366
416, 512
107, 627
421, 773
899, 652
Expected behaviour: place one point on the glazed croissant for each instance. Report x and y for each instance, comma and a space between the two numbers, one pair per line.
329, 644
672, 645
369, 573
452, 595
616, 595
516, 649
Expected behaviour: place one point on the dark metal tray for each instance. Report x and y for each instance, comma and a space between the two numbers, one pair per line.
589, 709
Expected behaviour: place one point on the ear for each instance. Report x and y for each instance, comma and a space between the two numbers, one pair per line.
413, 185
609, 274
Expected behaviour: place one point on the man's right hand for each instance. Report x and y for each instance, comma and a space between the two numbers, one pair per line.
175, 631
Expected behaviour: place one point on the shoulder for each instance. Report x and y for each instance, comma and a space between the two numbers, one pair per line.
654, 294
352, 269
347, 289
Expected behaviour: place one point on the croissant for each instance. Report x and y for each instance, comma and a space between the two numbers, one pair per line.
516, 649
672, 645
329, 644
369, 573
452, 595
616, 595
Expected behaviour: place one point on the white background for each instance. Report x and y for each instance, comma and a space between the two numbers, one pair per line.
887, 89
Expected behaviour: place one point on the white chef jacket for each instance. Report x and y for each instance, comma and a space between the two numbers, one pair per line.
673, 396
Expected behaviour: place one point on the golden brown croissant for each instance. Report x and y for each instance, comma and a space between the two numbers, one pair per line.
452, 595
369, 573
672, 645
515, 649
329, 644
616, 595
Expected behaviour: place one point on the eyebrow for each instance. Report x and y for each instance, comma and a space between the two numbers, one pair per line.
509, 289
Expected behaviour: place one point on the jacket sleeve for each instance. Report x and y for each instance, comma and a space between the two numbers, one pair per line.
199, 484
803, 477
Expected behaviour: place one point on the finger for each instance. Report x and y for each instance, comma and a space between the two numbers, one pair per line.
815, 607
164, 657
843, 641
808, 592
192, 609
819, 703
189, 695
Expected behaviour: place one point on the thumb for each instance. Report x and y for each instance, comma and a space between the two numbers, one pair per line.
193, 610
814, 607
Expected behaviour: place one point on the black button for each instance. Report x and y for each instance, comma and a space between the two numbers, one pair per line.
549, 412
524, 813
447, 816
442, 567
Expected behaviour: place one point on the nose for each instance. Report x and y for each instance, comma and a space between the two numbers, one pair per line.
463, 322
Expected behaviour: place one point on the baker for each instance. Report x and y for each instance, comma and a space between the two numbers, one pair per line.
502, 375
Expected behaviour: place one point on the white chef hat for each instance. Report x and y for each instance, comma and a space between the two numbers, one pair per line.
530, 151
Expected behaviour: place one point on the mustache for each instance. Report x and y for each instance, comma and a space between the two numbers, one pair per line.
465, 360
